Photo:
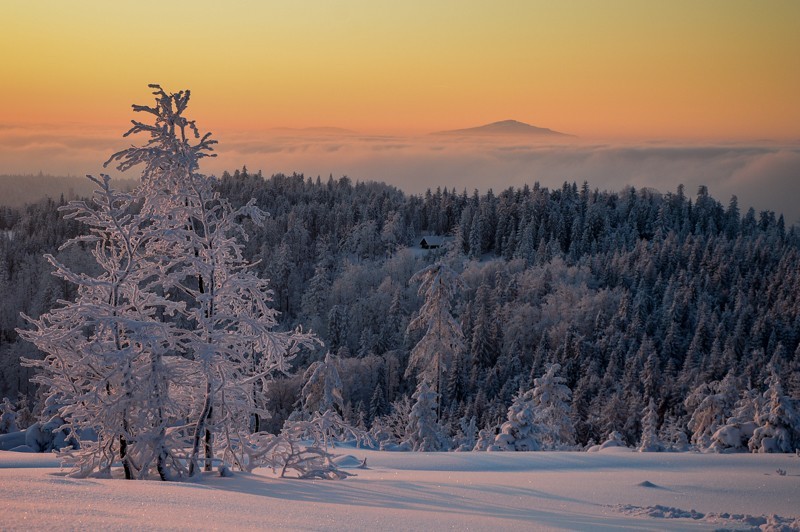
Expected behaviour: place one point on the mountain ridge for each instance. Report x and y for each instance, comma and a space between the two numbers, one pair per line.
504, 127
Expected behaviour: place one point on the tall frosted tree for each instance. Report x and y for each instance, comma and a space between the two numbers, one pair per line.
177, 326
434, 356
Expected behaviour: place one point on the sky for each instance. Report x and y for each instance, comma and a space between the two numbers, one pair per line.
622, 76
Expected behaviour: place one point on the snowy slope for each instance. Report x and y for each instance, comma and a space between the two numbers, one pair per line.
424, 491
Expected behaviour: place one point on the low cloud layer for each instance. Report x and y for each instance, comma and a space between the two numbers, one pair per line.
761, 175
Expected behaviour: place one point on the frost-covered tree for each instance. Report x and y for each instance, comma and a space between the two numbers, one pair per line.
521, 431
650, 441
738, 429
539, 418
8, 417
322, 406
443, 341
323, 388
467, 435
175, 327
423, 432
104, 351
485, 440
551, 401
228, 325
710, 405
394, 425
778, 421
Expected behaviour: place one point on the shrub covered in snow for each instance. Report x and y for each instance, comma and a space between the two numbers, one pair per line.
737, 431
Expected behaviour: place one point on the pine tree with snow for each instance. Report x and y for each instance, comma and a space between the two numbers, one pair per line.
673, 435
8, 417
323, 388
778, 421
424, 433
377, 403
434, 356
650, 441
710, 405
521, 431
551, 400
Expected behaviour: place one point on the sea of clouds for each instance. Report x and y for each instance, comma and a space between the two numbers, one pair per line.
764, 175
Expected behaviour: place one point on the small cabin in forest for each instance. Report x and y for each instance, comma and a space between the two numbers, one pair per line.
431, 242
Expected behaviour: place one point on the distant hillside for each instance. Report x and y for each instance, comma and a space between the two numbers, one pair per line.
18, 190
504, 128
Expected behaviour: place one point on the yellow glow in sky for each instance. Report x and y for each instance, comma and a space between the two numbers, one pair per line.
632, 69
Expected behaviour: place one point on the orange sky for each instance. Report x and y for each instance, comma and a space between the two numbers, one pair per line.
634, 70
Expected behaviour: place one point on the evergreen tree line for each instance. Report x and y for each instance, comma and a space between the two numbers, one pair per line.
643, 299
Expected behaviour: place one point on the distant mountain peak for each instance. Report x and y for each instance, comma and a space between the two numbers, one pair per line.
504, 127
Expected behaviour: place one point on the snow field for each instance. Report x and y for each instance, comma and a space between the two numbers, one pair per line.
608, 490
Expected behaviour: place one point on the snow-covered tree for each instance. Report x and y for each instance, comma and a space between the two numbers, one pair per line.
673, 435
521, 431
710, 405
443, 341
323, 388
423, 432
230, 332
394, 425
467, 436
539, 418
778, 421
322, 406
650, 441
551, 398
175, 327
8, 417
104, 351
485, 440
738, 429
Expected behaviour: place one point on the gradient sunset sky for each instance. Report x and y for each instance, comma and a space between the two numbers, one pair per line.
657, 93
632, 69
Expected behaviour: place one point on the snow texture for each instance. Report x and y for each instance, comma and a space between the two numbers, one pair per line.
426, 491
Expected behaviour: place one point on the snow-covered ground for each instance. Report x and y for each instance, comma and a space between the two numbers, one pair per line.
609, 490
